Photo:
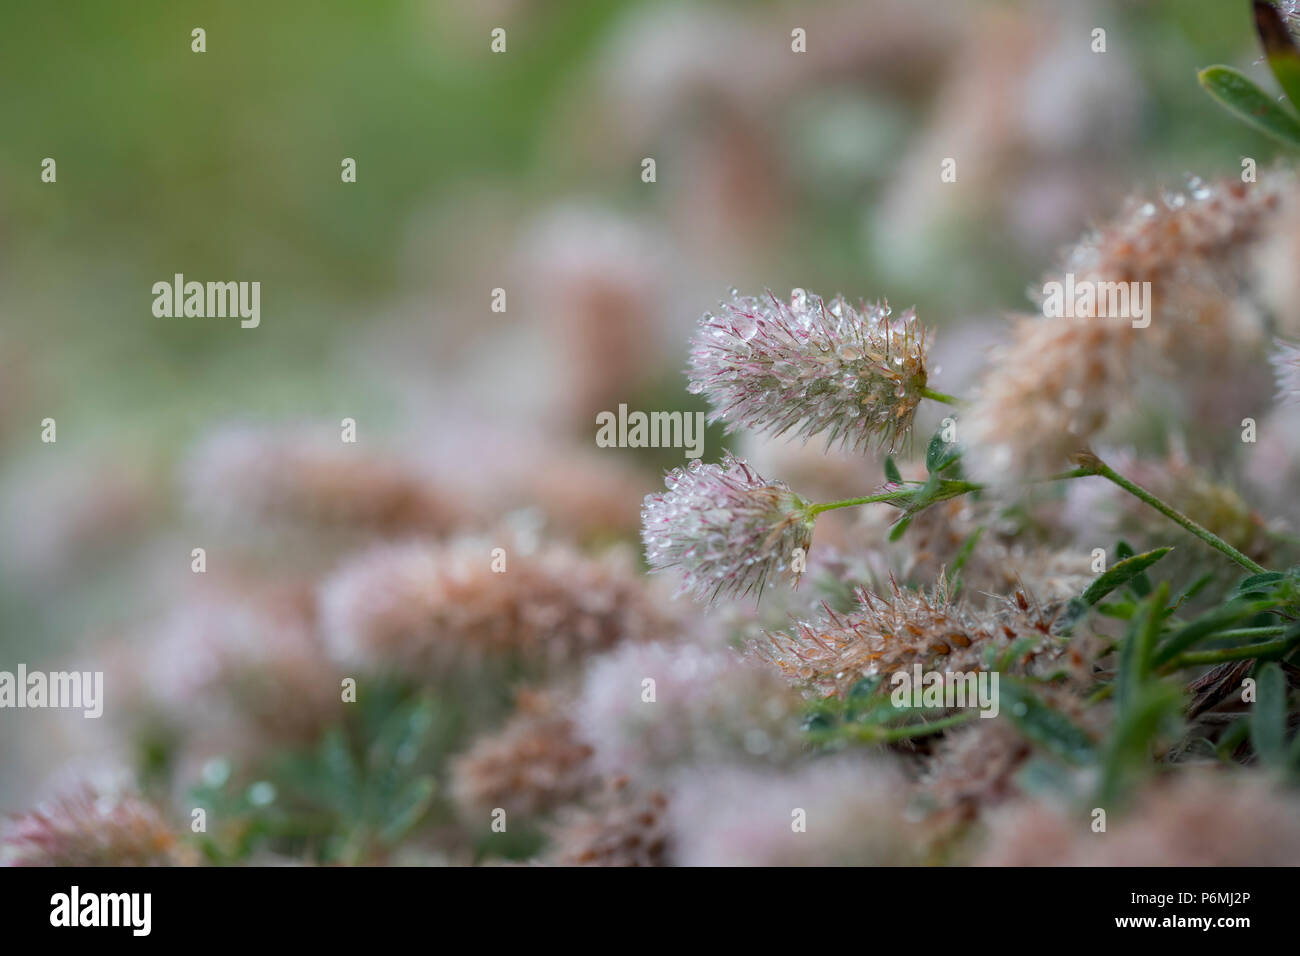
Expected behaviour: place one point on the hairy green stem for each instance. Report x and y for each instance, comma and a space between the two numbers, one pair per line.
814, 510
1092, 464
1089, 464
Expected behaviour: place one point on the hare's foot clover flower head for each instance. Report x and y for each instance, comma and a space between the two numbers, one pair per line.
857, 374
725, 528
91, 825
894, 631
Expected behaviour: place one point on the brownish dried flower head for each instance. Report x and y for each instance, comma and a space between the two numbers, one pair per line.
426, 611
256, 479
627, 826
1053, 386
884, 635
250, 667
531, 766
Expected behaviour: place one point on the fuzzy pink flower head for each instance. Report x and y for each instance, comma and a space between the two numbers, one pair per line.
725, 528
90, 826
1286, 368
811, 366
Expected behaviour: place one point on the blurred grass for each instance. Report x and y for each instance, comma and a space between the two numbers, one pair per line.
226, 165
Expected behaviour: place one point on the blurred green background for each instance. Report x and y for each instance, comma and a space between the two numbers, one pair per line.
772, 172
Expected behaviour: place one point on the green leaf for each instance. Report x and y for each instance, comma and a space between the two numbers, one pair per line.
1279, 49
1205, 626
899, 527
1156, 707
1268, 719
1143, 705
1075, 611
1140, 584
892, 474
408, 809
402, 735
1044, 725
1259, 584
1119, 575
1136, 655
941, 455
1238, 94
1120, 610
1194, 589
341, 773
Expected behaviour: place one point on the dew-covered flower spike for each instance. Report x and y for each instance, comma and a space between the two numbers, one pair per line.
724, 528
811, 366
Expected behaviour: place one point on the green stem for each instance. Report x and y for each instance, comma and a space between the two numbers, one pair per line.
1241, 653
1091, 463
940, 397
891, 734
1064, 475
967, 486
1238, 632
884, 735
815, 510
